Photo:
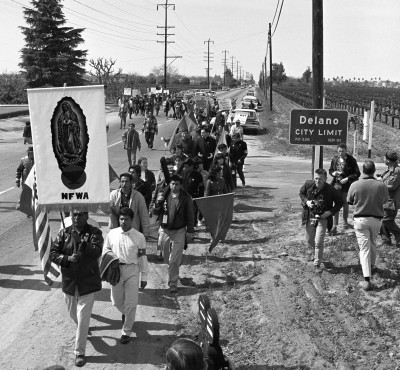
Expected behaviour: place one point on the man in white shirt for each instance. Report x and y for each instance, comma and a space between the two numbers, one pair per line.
129, 245
237, 129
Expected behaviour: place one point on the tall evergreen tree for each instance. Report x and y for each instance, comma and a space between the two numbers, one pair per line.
51, 55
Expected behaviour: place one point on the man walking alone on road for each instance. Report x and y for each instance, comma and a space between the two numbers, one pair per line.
77, 249
345, 171
131, 143
368, 196
391, 178
320, 202
129, 246
150, 129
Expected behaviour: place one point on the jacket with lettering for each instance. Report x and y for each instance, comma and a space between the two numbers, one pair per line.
85, 274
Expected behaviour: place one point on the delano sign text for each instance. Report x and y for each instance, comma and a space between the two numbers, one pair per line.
318, 126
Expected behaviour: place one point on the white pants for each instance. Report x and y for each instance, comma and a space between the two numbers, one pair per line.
124, 295
80, 309
367, 230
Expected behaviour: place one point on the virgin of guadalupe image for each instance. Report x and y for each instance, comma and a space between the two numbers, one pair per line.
69, 143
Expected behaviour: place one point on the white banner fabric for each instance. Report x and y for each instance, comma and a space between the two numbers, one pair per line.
70, 147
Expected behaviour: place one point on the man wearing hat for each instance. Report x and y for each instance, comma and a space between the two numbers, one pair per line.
237, 129
391, 178
24, 167
193, 183
131, 143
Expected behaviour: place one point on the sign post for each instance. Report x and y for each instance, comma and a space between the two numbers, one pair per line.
318, 127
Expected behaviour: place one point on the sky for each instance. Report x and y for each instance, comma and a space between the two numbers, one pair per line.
361, 37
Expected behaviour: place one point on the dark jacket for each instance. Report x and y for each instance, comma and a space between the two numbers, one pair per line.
330, 200
238, 151
350, 170
215, 187
184, 215
85, 275
193, 184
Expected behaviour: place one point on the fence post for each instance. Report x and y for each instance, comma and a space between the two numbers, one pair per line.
365, 126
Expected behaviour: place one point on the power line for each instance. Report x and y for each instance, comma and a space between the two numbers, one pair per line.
128, 13
279, 16
276, 9
112, 16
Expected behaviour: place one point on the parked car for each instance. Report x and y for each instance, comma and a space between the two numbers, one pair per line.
246, 102
252, 124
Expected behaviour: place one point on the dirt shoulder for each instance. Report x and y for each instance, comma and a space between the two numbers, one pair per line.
275, 312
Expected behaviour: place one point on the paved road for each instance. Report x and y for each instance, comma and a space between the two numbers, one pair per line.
32, 315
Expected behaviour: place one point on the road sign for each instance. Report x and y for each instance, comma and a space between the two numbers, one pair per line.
318, 126
127, 91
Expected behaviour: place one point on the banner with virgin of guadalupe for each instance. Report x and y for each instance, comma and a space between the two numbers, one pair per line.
70, 147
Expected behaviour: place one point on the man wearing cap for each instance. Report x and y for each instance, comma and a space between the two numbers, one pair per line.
367, 196
24, 167
77, 249
237, 129
391, 178
131, 143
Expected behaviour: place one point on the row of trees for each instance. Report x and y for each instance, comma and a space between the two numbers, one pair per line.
52, 57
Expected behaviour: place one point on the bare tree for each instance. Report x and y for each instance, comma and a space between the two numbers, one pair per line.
159, 72
103, 69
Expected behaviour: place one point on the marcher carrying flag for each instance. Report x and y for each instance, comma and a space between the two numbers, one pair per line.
217, 211
187, 123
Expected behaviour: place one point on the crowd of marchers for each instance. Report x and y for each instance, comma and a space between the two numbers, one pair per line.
375, 199
197, 168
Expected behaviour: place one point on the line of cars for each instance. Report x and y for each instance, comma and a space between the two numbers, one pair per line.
249, 107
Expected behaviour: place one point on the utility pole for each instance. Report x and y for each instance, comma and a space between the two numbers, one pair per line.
232, 57
265, 75
317, 70
240, 74
270, 67
224, 52
237, 69
166, 42
208, 60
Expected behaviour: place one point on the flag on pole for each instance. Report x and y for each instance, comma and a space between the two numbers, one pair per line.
185, 124
44, 241
221, 140
217, 211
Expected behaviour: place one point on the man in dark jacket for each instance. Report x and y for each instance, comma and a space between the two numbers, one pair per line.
205, 148
193, 184
344, 170
238, 153
148, 177
77, 249
176, 216
132, 143
320, 202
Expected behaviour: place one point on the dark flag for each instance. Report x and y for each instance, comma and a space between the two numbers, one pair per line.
218, 212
